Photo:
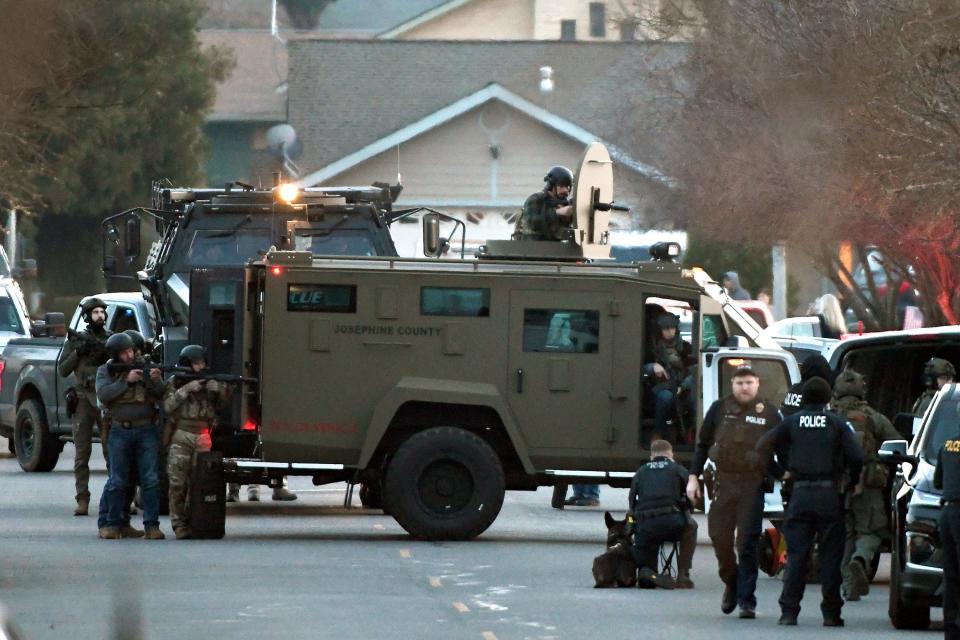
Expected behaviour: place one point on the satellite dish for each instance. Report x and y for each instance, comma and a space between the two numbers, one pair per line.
283, 143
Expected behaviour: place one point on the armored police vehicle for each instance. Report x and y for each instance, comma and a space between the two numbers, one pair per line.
444, 382
208, 235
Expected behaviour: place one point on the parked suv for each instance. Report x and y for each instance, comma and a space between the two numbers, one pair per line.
916, 566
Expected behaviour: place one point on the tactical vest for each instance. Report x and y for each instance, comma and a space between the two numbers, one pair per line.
793, 400
923, 402
669, 356
737, 436
87, 365
661, 485
858, 413
198, 411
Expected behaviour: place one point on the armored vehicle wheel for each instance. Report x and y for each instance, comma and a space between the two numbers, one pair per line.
444, 484
371, 495
37, 449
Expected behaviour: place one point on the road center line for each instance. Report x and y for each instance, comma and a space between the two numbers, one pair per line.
488, 635
462, 608
404, 553
435, 581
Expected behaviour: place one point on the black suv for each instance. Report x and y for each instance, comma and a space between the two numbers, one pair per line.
916, 568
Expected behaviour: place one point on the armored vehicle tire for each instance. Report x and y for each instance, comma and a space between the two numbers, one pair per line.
37, 449
902, 614
444, 484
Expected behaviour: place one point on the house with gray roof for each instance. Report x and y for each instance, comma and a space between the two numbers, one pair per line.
471, 127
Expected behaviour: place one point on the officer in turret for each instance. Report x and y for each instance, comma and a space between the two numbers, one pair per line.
866, 520
819, 449
83, 352
947, 477
936, 373
547, 214
731, 429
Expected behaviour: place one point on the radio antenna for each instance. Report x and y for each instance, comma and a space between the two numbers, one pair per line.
399, 177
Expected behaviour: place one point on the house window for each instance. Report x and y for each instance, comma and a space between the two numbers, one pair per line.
628, 30
598, 17
568, 29
561, 330
451, 301
328, 298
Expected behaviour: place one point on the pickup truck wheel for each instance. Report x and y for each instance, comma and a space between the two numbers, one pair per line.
902, 614
444, 484
37, 449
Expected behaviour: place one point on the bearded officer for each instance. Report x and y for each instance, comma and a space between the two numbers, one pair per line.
191, 408
947, 477
816, 446
82, 353
936, 373
546, 214
730, 431
866, 520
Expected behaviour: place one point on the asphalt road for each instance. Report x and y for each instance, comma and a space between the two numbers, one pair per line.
312, 569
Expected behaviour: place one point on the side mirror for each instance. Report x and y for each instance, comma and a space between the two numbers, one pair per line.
894, 452
906, 424
132, 231
38, 328
432, 245
55, 325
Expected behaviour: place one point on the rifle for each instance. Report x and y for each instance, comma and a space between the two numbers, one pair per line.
186, 373
88, 346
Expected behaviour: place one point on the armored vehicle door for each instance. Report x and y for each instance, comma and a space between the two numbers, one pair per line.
215, 316
560, 368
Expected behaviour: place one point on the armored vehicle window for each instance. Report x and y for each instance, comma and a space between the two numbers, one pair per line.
322, 298
338, 242
714, 334
227, 247
451, 301
561, 330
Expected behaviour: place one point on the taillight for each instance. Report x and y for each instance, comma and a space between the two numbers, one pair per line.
249, 425
2, 367
277, 271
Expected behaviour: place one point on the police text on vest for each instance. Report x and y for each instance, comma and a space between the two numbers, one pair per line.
813, 422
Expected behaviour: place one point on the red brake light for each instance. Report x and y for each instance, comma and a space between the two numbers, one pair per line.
249, 425
277, 271
2, 367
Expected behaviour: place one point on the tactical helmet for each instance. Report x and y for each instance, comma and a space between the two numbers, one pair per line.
119, 342
139, 342
558, 175
816, 391
190, 354
667, 320
87, 305
936, 367
850, 383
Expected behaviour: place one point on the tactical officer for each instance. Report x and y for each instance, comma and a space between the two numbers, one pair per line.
546, 214
947, 477
672, 358
936, 373
816, 446
731, 429
191, 407
130, 399
866, 519
82, 353
814, 366
661, 514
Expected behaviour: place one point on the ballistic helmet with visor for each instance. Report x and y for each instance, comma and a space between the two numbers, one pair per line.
87, 305
850, 383
118, 343
937, 367
558, 175
192, 354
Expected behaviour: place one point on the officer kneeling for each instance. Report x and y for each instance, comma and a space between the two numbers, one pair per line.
659, 506
816, 446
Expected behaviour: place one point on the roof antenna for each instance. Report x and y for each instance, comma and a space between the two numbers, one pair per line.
399, 177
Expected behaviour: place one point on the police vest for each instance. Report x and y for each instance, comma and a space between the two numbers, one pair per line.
793, 400
859, 414
661, 485
950, 468
815, 451
737, 435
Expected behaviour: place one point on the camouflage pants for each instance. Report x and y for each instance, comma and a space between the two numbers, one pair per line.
866, 529
86, 416
180, 459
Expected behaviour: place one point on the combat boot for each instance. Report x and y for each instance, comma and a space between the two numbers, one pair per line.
83, 507
109, 533
729, 601
283, 494
833, 621
253, 493
233, 492
129, 531
154, 533
858, 576
684, 581
183, 533
788, 619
